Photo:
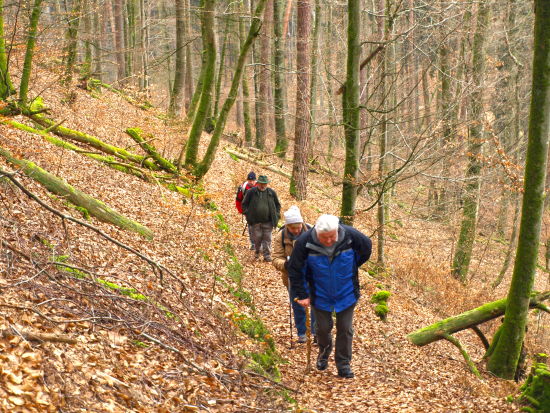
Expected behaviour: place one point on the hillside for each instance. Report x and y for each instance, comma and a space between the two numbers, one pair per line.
203, 339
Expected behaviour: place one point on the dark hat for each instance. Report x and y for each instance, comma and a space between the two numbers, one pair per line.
250, 176
263, 180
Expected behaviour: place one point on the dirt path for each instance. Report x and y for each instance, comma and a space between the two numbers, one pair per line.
391, 375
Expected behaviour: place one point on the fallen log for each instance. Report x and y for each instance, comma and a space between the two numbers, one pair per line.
109, 161
151, 151
59, 187
467, 320
53, 338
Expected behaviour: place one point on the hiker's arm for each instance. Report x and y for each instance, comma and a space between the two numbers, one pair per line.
246, 202
296, 268
278, 251
362, 245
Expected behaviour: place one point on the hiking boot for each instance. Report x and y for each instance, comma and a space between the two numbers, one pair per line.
252, 248
322, 363
314, 339
346, 373
257, 255
302, 338
268, 259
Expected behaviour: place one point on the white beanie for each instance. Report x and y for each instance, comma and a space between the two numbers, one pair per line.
293, 216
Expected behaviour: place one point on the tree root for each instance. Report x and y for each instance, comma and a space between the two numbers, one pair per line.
469, 361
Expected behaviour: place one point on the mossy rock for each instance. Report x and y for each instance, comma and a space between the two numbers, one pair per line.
381, 311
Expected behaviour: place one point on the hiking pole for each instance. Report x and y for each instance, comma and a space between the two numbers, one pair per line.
290, 317
308, 335
244, 230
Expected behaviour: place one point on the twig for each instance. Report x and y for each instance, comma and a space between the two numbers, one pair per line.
54, 338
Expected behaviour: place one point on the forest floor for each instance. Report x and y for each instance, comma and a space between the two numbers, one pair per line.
391, 374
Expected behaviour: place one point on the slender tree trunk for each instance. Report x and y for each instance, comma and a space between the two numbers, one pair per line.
298, 183
6, 87
281, 145
88, 54
257, 105
176, 97
98, 41
207, 87
511, 246
253, 32
31, 40
265, 75
131, 12
222, 65
314, 73
328, 70
119, 39
71, 41
504, 360
246, 91
466, 238
188, 57
352, 113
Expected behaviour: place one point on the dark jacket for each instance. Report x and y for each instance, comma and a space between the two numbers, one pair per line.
250, 203
333, 285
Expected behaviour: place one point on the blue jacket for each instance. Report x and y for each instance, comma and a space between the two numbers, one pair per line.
332, 285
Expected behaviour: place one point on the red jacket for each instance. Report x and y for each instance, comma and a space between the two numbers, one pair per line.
240, 195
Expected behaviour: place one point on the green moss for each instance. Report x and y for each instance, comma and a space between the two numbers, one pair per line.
234, 157
381, 299
380, 296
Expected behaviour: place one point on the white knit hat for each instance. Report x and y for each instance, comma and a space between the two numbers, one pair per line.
293, 216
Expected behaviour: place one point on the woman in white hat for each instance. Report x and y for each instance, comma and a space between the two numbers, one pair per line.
282, 248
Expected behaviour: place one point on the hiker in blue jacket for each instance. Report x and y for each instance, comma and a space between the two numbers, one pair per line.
327, 258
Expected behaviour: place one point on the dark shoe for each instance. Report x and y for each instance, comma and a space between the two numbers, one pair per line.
252, 248
346, 373
257, 255
268, 259
302, 339
314, 339
322, 364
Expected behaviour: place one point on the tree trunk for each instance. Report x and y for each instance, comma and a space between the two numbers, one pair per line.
176, 97
352, 113
88, 55
281, 145
207, 87
511, 246
468, 320
71, 41
328, 67
246, 91
237, 77
298, 183
466, 238
504, 360
314, 74
119, 40
6, 87
59, 187
222, 65
264, 107
131, 41
188, 57
31, 40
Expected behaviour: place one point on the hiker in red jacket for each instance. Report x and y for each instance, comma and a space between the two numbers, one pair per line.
241, 192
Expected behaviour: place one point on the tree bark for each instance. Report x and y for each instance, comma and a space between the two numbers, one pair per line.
71, 41
221, 66
6, 87
31, 40
314, 74
352, 113
119, 39
280, 97
298, 184
466, 238
207, 86
59, 187
504, 360
176, 97
264, 106
188, 58
246, 90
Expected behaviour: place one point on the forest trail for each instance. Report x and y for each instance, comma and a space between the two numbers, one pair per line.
391, 374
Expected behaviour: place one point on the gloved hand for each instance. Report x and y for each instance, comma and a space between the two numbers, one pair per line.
287, 262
